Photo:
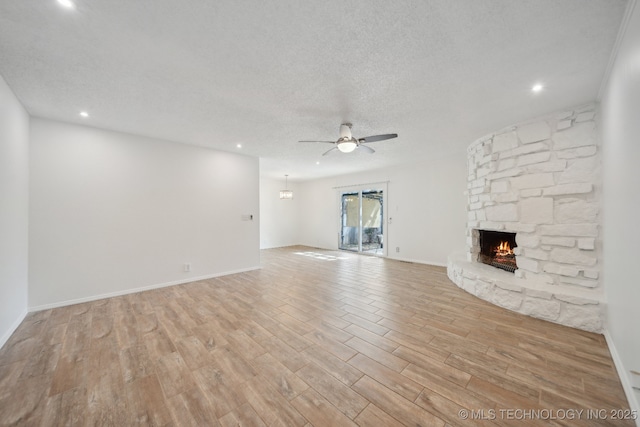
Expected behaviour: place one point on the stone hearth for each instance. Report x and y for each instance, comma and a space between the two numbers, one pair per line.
541, 180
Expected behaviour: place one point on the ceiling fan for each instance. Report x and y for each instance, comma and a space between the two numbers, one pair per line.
347, 143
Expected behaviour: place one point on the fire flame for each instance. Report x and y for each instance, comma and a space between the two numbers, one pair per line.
503, 249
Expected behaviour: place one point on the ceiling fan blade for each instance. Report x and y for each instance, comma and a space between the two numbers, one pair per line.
367, 149
330, 142
327, 152
375, 138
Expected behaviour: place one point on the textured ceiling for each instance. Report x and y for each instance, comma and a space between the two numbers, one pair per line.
268, 73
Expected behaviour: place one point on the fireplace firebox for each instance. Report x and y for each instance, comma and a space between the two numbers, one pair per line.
496, 249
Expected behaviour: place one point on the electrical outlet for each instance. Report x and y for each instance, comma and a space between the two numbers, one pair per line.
397, 249
187, 267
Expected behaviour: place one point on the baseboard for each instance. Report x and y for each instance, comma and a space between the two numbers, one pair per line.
624, 377
135, 290
13, 328
417, 261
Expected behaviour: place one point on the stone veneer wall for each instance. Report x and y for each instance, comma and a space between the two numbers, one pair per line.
541, 180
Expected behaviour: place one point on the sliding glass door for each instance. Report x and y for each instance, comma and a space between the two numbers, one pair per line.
362, 221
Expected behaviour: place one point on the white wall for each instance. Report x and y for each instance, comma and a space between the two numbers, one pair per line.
14, 206
110, 213
425, 201
620, 108
278, 218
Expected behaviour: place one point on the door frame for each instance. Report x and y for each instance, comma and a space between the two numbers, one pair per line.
379, 186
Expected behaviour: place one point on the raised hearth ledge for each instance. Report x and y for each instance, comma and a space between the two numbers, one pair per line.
569, 307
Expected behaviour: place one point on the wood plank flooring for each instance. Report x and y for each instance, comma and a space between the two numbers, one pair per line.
314, 338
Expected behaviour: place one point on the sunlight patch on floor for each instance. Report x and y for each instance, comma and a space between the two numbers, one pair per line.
317, 255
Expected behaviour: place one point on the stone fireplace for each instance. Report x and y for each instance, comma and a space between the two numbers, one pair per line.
536, 187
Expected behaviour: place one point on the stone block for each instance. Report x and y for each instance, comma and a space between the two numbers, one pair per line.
539, 294
558, 241
534, 132
508, 286
587, 243
580, 170
534, 180
536, 254
583, 117
527, 240
477, 205
506, 164
573, 153
499, 186
541, 308
477, 191
526, 149
579, 135
528, 264
471, 216
505, 141
565, 189
522, 228
482, 172
585, 283
507, 299
538, 278
530, 159
483, 289
576, 211
552, 166
538, 210
573, 256
585, 108
563, 270
490, 225
585, 317
480, 182
481, 215
564, 114
504, 212
504, 174
564, 124
518, 251
591, 274
575, 300
483, 160
469, 285
531, 192
505, 198
566, 230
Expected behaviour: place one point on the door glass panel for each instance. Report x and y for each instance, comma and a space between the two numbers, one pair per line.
350, 222
372, 221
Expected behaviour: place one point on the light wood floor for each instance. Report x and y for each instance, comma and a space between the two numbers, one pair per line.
313, 338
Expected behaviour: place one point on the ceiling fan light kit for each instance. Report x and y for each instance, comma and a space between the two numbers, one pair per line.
347, 143
347, 146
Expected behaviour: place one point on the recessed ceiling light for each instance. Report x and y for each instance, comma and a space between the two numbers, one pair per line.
537, 88
84, 114
317, 163
239, 145
67, 3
